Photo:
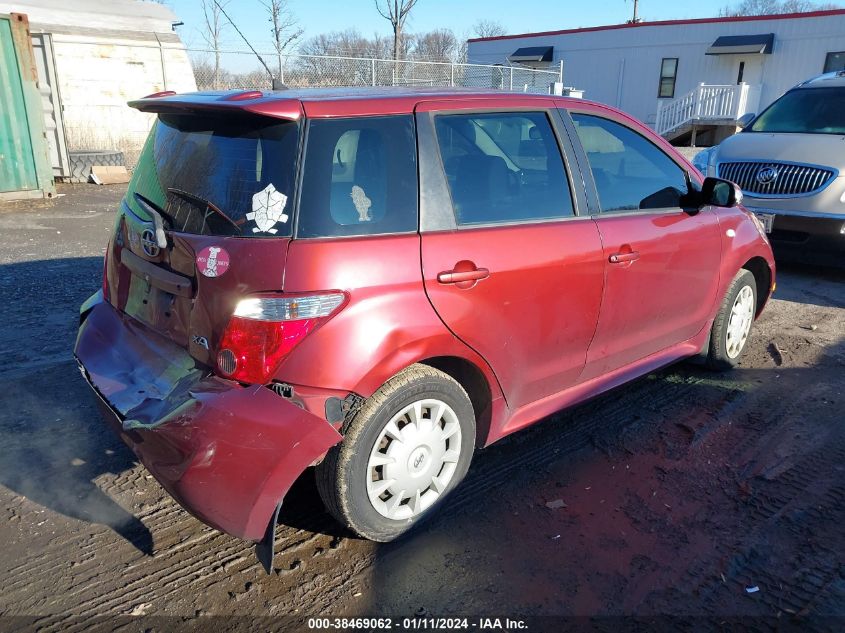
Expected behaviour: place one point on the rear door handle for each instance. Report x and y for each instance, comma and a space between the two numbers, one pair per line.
456, 277
621, 258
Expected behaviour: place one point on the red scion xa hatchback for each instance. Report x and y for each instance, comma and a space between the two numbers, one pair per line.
378, 282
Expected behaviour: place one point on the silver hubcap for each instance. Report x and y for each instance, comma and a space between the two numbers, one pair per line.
739, 323
414, 459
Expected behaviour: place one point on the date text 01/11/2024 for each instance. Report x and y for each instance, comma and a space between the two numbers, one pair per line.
417, 624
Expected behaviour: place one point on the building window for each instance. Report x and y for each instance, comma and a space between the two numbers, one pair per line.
668, 74
741, 73
834, 62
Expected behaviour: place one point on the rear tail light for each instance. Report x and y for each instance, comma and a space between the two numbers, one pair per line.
263, 331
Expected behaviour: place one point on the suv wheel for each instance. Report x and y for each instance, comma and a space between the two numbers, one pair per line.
407, 448
733, 322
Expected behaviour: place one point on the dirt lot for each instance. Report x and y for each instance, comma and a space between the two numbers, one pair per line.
679, 492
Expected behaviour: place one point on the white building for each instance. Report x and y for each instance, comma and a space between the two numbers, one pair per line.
92, 57
689, 79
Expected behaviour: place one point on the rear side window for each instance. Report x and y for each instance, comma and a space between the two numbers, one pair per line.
503, 167
630, 172
359, 177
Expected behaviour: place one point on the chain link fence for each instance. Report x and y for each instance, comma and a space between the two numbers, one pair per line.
226, 70
98, 124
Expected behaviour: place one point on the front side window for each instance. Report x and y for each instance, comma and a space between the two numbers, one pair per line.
668, 74
503, 167
805, 111
834, 62
630, 172
359, 177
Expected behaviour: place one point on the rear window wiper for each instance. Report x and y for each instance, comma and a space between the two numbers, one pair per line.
201, 202
158, 214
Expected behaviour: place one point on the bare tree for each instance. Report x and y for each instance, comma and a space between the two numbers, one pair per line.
212, 33
482, 28
439, 45
395, 12
770, 7
488, 28
380, 46
407, 45
348, 43
285, 27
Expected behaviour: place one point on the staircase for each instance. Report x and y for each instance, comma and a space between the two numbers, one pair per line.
705, 105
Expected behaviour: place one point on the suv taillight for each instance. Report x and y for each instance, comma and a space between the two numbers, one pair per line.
263, 330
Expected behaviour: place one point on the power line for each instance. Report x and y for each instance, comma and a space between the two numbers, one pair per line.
235, 26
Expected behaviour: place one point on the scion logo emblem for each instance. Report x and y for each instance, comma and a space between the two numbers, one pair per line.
149, 243
419, 460
767, 175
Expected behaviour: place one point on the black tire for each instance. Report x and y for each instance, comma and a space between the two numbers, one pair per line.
342, 475
718, 358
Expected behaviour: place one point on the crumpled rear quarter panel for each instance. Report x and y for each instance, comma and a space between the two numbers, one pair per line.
227, 453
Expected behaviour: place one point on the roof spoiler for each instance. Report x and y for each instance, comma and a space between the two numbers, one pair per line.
253, 101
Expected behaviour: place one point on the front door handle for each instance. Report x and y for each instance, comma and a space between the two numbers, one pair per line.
621, 258
463, 276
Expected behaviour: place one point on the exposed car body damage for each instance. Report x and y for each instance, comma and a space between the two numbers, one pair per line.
231, 472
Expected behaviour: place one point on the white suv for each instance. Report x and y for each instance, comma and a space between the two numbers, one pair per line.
790, 164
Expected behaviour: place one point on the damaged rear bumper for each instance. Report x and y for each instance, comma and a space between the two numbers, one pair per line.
227, 453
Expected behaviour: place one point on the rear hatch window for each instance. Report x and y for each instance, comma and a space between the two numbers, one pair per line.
215, 175
206, 220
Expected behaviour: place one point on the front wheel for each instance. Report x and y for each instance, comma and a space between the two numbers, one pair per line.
406, 449
733, 322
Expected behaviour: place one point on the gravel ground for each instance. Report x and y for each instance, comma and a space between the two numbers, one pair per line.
672, 496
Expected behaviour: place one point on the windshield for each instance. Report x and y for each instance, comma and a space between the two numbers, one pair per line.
218, 175
806, 110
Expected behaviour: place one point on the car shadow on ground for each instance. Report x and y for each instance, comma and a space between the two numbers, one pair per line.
804, 283
55, 446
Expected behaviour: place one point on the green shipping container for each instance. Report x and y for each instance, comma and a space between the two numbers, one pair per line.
24, 169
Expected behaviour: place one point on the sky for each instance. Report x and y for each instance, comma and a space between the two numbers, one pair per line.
517, 16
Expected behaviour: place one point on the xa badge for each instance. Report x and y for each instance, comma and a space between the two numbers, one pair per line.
149, 243
200, 340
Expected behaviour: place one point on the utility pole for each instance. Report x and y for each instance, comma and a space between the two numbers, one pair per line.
636, 17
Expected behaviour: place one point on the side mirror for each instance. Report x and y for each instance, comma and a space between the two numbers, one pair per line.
745, 120
720, 193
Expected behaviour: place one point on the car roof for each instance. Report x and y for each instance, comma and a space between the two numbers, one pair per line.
827, 80
295, 102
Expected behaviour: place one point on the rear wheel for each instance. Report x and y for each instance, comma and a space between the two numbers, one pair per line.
406, 449
732, 325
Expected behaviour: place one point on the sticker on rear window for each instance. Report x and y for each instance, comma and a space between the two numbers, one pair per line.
213, 261
268, 207
362, 204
